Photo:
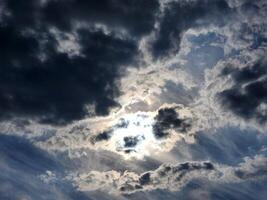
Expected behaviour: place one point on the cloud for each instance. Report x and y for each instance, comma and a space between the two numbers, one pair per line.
156, 98
172, 177
253, 168
243, 40
247, 98
131, 135
52, 73
167, 118
60, 53
42, 89
229, 85
105, 135
136, 18
132, 17
174, 23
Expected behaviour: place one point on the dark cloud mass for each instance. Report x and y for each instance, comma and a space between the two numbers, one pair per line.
57, 89
136, 17
35, 88
179, 17
125, 14
248, 97
105, 135
130, 141
167, 119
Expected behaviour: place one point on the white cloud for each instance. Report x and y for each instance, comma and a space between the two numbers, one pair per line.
170, 177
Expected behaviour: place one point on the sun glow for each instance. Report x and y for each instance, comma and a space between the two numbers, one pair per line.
136, 135
133, 135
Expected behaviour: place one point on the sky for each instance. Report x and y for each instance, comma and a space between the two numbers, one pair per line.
133, 99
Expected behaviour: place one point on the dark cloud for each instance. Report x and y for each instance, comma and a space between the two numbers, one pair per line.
57, 88
180, 16
105, 135
166, 119
144, 178
128, 151
137, 18
246, 74
249, 94
130, 142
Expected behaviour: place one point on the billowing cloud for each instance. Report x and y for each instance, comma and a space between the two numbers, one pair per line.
171, 177
252, 169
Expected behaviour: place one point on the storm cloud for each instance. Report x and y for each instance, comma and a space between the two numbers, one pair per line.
41, 63
248, 97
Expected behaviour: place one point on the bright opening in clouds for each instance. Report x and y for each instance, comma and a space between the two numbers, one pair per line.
133, 134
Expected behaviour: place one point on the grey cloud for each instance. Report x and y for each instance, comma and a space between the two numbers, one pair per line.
168, 118
54, 66
58, 89
247, 98
167, 176
252, 169
172, 177
105, 135
174, 23
131, 141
